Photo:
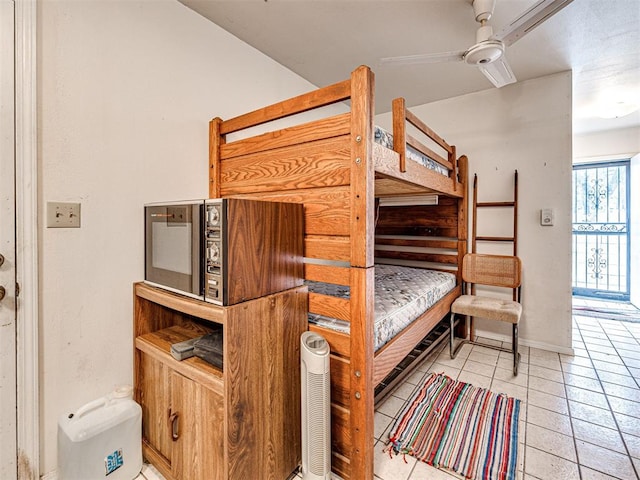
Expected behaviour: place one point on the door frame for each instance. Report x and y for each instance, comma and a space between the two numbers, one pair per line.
28, 415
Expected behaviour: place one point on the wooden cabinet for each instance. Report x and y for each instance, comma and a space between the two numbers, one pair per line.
205, 423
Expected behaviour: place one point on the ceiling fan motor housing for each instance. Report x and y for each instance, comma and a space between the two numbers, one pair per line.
484, 53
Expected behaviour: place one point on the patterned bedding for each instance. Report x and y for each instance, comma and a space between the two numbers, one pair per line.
402, 294
385, 139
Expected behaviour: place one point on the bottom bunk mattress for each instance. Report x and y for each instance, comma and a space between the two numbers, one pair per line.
402, 294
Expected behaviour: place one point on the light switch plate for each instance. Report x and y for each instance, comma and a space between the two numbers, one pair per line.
63, 215
546, 217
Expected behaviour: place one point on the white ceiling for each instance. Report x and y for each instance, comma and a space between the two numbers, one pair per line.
324, 40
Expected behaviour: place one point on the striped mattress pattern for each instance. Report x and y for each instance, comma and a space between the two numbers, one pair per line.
456, 426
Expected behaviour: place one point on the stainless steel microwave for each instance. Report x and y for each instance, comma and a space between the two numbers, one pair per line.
224, 251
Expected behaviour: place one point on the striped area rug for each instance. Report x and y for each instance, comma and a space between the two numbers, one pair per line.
454, 425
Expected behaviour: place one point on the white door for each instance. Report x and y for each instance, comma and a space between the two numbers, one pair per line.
8, 449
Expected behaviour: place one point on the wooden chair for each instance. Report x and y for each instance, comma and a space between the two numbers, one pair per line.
492, 270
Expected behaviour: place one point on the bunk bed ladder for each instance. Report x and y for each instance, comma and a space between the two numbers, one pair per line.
475, 238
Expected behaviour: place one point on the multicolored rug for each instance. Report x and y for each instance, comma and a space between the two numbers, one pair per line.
454, 425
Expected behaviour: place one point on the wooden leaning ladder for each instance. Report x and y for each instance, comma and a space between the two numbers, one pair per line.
513, 204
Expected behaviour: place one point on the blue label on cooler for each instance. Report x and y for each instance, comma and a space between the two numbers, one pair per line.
113, 462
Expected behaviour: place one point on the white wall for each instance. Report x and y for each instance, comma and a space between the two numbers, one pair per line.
524, 126
126, 90
609, 145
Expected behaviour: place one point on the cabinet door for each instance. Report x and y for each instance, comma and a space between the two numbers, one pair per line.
197, 430
155, 395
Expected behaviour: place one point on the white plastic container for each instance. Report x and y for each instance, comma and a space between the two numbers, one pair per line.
102, 439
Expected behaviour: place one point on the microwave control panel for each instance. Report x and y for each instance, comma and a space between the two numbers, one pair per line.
215, 220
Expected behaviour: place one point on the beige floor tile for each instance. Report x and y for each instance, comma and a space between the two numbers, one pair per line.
551, 442
381, 425
510, 389
628, 423
552, 363
588, 397
599, 416
506, 375
546, 386
633, 444
602, 436
447, 370
546, 373
580, 370
479, 368
589, 474
610, 367
583, 382
548, 419
617, 379
391, 406
482, 357
607, 461
626, 407
545, 466
549, 402
611, 389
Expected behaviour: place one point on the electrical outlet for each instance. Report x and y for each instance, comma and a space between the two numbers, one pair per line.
63, 215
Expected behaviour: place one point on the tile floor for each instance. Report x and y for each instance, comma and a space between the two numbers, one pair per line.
580, 417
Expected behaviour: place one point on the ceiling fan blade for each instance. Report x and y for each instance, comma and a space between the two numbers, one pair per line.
499, 72
530, 19
422, 58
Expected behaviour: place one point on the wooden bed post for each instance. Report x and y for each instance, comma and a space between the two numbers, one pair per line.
399, 116
362, 275
462, 215
215, 139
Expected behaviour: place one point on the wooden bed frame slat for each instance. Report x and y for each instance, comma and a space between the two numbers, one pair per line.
338, 342
419, 242
327, 273
308, 132
337, 92
327, 248
329, 306
419, 256
422, 148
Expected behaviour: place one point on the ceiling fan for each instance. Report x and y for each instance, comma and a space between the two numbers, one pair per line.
488, 53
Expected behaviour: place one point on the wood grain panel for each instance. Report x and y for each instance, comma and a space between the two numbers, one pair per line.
254, 446
307, 132
155, 387
340, 384
215, 143
327, 248
324, 163
422, 148
341, 440
326, 209
264, 248
198, 415
329, 306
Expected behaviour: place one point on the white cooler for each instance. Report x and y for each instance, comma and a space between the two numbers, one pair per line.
102, 439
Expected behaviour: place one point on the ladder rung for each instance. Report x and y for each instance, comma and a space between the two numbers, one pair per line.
495, 239
496, 204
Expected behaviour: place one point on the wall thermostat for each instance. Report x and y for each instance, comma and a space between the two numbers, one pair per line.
546, 217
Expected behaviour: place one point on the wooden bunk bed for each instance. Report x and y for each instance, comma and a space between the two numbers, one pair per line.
336, 169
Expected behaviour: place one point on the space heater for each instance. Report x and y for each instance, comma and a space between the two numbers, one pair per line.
316, 407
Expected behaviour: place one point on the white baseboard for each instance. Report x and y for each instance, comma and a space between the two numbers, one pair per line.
527, 343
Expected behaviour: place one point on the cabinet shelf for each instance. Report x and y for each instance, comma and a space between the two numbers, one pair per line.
158, 344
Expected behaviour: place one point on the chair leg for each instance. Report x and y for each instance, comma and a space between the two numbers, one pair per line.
516, 354
451, 334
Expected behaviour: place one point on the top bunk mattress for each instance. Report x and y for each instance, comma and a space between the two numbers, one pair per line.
402, 294
385, 139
